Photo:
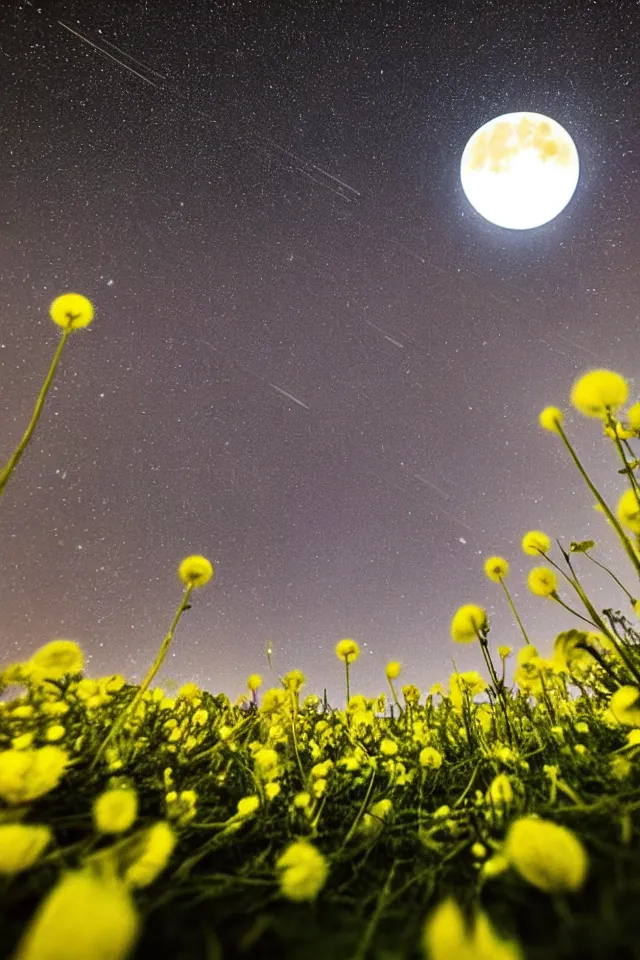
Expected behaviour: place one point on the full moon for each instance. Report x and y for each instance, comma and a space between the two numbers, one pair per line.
520, 170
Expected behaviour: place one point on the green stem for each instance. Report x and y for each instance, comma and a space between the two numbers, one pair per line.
17, 454
129, 710
610, 517
514, 611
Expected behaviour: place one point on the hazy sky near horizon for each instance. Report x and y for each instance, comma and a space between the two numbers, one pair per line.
311, 361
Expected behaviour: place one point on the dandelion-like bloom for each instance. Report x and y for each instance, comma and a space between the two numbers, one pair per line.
430, 757
496, 568
467, 623
158, 845
254, 682
56, 659
536, 542
388, 747
393, 670
547, 855
114, 811
83, 916
21, 845
267, 761
293, 681
629, 511
71, 311
551, 418
598, 392
542, 582
347, 650
195, 571
302, 870
500, 792
26, 775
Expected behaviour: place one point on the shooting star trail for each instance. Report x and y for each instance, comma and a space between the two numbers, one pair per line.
432, 485
307, 163
285, 394
139, 62
385, 335
107, 54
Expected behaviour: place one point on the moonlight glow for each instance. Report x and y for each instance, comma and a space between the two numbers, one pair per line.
520, 170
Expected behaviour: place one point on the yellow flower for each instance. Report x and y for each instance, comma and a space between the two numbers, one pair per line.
71, 311
504, 652
373, 820
633, 416
467, 623
598, 391
542, 582
411, 694
500, 792
303, 871
55, 732
620, 767
272, 790
629, 511
26, 775
83, 916
393, 670
158, 842
536, 542
58, 658
347, 650
189, 691
301, 800
388, 747
430, 757
254, 682
446, 936
23, 741
625, 706
114, 811
248, 806
547, 855
267, 761
496, 568
551, 418
21, 845
195, 570
293, 681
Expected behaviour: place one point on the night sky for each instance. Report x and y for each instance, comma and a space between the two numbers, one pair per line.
263, 200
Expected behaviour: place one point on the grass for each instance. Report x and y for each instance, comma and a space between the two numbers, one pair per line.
282, 826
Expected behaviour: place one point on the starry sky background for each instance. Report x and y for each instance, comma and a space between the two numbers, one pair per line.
272, 199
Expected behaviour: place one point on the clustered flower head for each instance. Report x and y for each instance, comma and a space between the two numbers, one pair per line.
496, 568
302, 871
347, 650
599, 392
468, 621
548, 855
195, 571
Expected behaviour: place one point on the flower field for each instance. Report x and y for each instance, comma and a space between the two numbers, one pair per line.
417, 824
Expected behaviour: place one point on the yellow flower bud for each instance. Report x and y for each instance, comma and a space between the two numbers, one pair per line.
302, 870
467, 623
347, 650
195, 570
21, 845
114, 811
550, 419
547, 855
542, 581
496, 568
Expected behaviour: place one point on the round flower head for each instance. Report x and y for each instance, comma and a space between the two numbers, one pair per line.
195, 570
447, 936
547, 855
254, 682
542, 582
496, 568
393, 670
629, 511
303, 871
82, 916
26, 775
536, 542
633, 416
551, 418
114, 811
467, 622
71, 311
57, 658
347, 651
21, 845
598, 392
293, 681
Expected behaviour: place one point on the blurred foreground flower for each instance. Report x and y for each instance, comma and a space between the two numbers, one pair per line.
447, 937
26, 775
303, 871
82, 917
598, 392
547, 855
21, 845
